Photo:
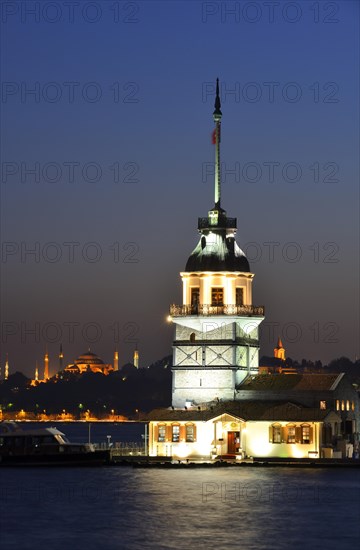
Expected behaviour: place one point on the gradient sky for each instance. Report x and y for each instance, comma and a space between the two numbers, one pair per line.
124, 100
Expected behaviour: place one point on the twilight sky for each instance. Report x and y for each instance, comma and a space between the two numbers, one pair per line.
107, 159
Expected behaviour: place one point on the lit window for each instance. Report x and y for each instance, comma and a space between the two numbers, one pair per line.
342, 405
291, 434
347, 405
323, 405
217, 296
162, 434
175, 433
189, 433
239, 296
352, 405
195, 296
305, 434
337, 405
276, 433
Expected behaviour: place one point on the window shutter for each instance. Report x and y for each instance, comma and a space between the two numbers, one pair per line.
168, 432
182, 433
194, 432
298, 434
270, 434
155, 432
285, 433
311, 434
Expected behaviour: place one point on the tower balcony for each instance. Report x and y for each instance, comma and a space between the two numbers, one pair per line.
221, 222
208, 309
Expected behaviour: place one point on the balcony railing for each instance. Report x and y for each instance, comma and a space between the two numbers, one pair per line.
207, 309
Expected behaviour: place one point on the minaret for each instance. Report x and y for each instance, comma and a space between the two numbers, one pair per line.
136, 358
216, 342
6, 372
61, 357
46, 366
279, 351
116, 360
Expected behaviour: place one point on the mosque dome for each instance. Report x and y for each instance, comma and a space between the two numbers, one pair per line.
88, 358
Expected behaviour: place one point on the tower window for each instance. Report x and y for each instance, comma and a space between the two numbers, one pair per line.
239, 296
195, 297
217, 296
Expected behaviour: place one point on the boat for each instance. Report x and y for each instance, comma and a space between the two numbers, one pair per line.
45, 447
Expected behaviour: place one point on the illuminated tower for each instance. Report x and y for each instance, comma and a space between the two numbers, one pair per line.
116, 360
216, 327
61, 357
279, 351
46, 366
6, 372
136, 359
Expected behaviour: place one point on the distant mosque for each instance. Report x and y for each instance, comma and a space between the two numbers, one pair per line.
86, 362
89, 362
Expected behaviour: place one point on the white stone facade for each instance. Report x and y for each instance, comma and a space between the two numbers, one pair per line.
215, 348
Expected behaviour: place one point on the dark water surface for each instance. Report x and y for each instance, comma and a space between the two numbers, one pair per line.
125, 508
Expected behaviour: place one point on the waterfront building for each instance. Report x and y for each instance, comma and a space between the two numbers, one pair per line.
221, 405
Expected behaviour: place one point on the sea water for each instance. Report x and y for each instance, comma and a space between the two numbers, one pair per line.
126, 508
204, 508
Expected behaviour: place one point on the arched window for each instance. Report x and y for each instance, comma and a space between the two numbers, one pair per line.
161, 433
305, 434
192, 337
175, 433
291, 433
275, 433
190, 433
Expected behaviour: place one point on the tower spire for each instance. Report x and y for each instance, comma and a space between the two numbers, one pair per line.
217, 114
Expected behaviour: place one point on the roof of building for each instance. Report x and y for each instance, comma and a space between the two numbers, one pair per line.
246, 410
296, 382
217, 251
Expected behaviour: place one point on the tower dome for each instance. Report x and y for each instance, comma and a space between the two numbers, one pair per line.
217, 249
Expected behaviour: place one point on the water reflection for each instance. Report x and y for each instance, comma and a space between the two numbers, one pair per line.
175, 509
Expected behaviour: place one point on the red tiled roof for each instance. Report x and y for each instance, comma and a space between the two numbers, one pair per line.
297, 382
245, 410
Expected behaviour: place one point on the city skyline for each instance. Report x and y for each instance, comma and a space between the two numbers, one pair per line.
107, 163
